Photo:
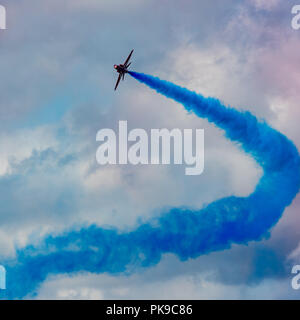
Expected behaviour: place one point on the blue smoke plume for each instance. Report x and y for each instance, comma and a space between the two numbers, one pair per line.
184, 232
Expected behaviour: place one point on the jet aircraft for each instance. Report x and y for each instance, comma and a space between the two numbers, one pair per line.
122, 69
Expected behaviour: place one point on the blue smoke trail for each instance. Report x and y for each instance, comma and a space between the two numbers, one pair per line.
184, 232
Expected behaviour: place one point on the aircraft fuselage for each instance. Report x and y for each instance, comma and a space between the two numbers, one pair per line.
120, 68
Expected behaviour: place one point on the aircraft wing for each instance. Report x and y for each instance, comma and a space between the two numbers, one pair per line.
127, 60
119, 78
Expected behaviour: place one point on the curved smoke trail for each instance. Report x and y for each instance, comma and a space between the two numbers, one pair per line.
186, 233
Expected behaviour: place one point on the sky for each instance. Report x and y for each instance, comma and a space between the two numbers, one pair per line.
57, 85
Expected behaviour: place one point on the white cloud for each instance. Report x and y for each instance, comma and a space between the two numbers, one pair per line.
197, 286
19, 145
265, 4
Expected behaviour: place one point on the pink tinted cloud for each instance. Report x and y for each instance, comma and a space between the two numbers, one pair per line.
280, 68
